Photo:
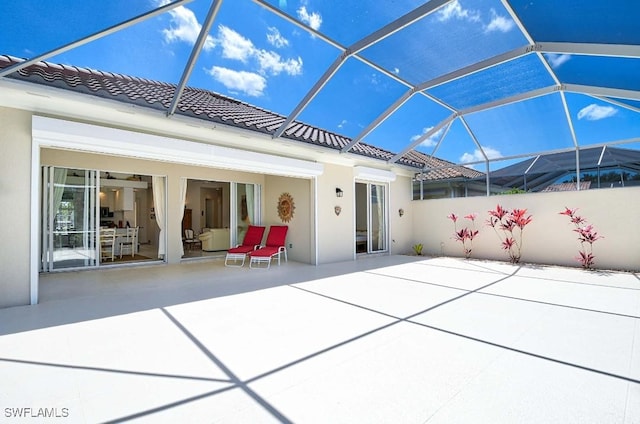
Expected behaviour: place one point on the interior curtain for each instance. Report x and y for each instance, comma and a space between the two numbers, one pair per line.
159, 205
379, 195
183, 202
250, 202
59, 179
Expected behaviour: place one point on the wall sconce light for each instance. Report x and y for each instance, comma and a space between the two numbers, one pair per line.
339, 192
337, 210
400, 212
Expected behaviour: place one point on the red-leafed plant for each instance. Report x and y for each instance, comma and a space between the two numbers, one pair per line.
586, 236
509, 226
466, 234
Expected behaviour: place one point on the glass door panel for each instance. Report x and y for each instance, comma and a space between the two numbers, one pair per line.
371, 218
377, 220
69, 218
246, 201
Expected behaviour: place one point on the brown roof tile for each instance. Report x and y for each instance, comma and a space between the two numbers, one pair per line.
584, 185
440, 169
194, 102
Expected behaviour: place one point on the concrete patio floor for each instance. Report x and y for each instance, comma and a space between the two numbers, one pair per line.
391, 339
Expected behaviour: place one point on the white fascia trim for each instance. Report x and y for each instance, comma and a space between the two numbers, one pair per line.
373, 174
50, 132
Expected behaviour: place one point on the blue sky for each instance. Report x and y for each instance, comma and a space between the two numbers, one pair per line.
257, 57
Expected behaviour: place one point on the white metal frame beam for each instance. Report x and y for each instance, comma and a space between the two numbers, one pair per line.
590, 49
324, 79
393, 27
195, 53
602, 91
615, 103
379, 120
476, 67
115, 28
442, 137
424, 136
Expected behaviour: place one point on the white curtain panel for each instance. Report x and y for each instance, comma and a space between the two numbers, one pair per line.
183, 200
250, 203
159, 195
59, 179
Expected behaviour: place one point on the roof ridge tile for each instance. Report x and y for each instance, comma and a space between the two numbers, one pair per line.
196, 102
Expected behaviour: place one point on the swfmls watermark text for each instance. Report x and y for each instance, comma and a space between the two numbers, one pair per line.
40, 413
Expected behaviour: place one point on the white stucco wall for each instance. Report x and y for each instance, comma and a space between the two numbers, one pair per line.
15, 204
336, 232
300, 238
549, 238
400, 227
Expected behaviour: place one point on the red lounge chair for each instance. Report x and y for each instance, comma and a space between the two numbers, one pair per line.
252, 240
274, 246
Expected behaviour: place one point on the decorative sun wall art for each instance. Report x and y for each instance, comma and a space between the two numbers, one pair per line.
285, 207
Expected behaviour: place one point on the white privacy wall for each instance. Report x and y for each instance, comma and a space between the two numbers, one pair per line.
548, 239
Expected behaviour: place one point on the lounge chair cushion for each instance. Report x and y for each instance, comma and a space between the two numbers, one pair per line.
265, 252
240, 249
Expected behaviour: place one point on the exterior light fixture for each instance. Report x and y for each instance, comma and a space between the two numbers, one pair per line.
400, 212
339, 192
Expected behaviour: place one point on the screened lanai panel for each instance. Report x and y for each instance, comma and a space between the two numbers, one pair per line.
600, 167
415, 118
352, 99
28, 23
502, 81
138, 50
457, 35
597, 121
458, 146
633, 103
346, 22
264, 60
580, 21
620, 156
600, 71
535, 125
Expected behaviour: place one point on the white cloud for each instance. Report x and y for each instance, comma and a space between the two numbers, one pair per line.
276, 39
237, 47
556, 60
396, 71
342, 123
314, 20
430, 141
271, 62
374, 79
594, 112
234, 45
476, 156
185, 27
454, 10
499, 23
249, 83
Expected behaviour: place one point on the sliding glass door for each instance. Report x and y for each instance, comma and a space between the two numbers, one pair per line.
371, 218
246, 201
69, 218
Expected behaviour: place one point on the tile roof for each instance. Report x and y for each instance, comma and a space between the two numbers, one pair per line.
197, 103
584, 185
440, 169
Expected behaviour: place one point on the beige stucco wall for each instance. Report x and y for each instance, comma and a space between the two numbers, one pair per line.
400, 227
15, 204
300, 239
336, 232
549, 238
